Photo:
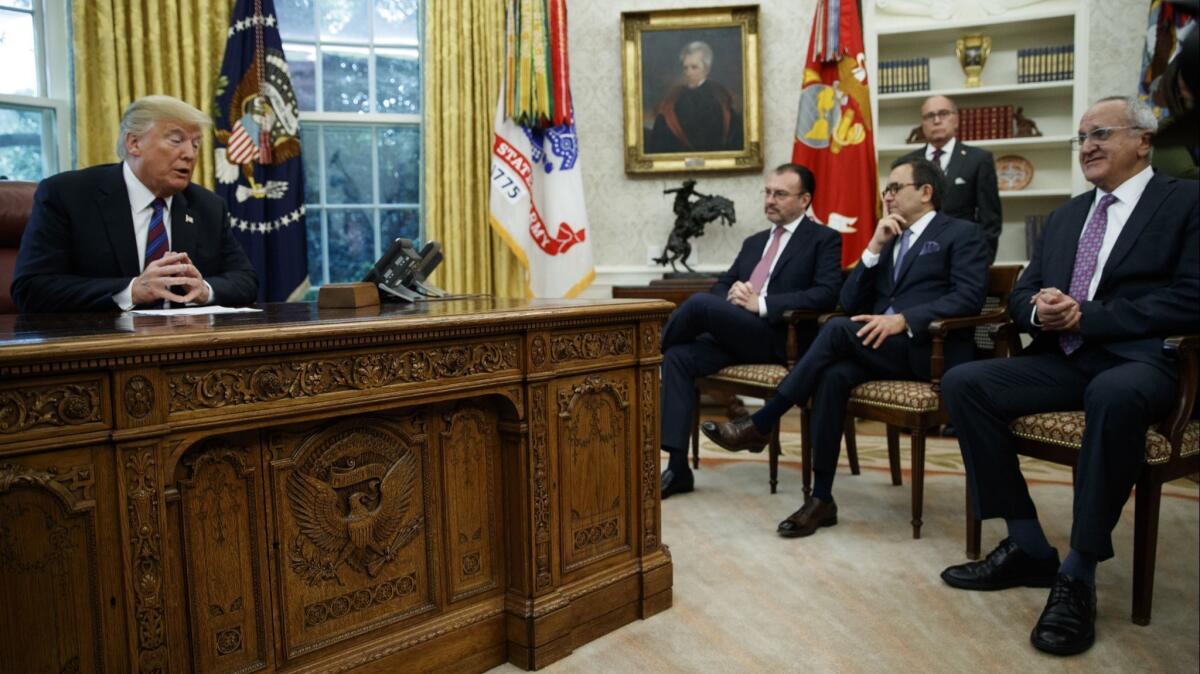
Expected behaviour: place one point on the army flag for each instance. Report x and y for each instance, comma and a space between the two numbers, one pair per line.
257, 157
536, 203
834, 132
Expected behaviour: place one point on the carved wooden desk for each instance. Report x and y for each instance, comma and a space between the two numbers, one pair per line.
450, 485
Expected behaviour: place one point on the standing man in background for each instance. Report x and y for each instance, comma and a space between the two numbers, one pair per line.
972, 193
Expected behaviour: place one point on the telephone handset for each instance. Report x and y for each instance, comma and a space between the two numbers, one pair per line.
401, 271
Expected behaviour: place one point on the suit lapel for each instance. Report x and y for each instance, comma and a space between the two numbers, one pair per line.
117, 216
957, 158
932, 230
182, 232
789, 251
1152, 197
1058, 271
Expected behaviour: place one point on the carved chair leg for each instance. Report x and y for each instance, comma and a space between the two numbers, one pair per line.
1147, 499
973, 526
893, 440
805, 452
695, 427
851, 445
918, 479
774, 450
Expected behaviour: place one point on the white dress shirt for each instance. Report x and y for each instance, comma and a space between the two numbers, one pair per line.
947, 150
788, 230
870, 259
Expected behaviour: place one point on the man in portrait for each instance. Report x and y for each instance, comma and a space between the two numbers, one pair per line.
698, 114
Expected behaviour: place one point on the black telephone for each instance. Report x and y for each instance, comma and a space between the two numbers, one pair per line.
401, 271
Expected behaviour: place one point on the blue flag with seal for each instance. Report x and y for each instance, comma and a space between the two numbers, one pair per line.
257, 157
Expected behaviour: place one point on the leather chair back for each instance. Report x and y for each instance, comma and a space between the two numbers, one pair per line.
16, 205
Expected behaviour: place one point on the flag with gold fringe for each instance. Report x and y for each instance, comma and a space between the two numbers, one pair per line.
834, 132
536, 203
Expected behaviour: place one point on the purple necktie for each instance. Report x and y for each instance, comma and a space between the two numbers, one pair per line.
758, 278
1085, 265
937, 157
156, 239
904, 243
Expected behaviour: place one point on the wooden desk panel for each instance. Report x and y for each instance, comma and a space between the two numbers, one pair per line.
453, 484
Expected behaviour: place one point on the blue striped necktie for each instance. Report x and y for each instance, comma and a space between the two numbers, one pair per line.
156, 239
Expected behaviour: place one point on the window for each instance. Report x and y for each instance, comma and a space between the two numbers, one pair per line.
33, 90
355, 66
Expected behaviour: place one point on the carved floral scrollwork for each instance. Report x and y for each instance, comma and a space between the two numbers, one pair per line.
141, 474
650, 482
359, 600
139, 397
591, 345
541, 492
650, 338
593, 384
56, 405
229, 641
595, 534
537, 350
303, 379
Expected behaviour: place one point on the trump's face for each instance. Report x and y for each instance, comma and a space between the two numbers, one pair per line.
694, 70
163, 157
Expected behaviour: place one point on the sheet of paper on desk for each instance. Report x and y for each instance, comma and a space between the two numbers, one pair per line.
193, 311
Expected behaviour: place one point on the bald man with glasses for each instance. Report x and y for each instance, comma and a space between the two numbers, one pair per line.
972, 192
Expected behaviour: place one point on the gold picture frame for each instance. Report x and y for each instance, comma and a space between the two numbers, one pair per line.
692, 108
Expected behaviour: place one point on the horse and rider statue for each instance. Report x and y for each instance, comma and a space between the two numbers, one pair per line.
691, 215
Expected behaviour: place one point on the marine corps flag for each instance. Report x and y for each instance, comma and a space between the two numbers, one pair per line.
257, 157
834, 134
536, 202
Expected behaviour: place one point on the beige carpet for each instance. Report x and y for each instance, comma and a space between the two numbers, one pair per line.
865, 597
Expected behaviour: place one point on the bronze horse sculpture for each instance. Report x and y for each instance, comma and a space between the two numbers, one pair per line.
690, 219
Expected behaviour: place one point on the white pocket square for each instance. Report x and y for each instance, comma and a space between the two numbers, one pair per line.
959, 181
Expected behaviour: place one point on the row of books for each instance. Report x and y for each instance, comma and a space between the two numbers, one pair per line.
994, 121
1034, 224
1045, 64
903, 75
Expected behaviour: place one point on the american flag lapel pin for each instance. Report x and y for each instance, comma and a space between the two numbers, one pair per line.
187, 217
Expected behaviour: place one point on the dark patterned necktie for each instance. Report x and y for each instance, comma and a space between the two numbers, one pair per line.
1085, 265
937, 157
156, 239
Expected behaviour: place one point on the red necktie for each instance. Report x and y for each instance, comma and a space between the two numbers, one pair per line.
758, 278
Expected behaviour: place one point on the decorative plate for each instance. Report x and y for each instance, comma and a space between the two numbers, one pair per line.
1013, 172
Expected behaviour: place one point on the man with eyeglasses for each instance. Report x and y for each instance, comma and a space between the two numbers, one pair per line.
1116, 271
920, 266
972, 192
796, 264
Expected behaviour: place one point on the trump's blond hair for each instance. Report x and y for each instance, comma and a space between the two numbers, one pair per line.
145, 111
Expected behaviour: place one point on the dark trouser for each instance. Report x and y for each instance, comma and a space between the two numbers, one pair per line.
1120, 398
705, 334
836, 362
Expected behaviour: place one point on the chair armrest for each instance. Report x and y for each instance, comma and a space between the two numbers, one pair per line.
1186, 350
825, 318
794, 316
942, 327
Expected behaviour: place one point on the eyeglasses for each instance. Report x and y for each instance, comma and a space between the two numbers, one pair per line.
779, 195
937, 114
894, 188
1098, 136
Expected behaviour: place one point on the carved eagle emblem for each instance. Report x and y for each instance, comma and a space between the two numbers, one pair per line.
359, 516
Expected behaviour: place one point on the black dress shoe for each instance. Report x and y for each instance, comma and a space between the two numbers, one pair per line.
1006, 566
673, 483
811, 516
736, 435
1068, 623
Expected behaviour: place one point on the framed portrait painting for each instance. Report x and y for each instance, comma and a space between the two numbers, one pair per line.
691, 90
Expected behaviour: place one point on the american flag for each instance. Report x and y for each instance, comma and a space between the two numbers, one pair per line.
242, 146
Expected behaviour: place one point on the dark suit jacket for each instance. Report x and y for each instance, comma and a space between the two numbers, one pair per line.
806, 277
79, 249
1149, 286
943, 275
972, 193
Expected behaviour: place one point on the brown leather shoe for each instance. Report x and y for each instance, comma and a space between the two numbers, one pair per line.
811, 516
736, 435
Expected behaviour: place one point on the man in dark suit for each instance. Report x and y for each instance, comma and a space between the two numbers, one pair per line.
699, 114
920, 266
137, 233
971, 190
794, 265
1117, 269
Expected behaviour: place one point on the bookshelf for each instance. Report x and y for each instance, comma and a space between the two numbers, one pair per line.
1055, 106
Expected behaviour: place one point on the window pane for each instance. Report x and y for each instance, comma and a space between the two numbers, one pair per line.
296, 19
343, 20
348, 165
316, 251
400, 223
19, 74
351, 245
397, 21
344, 70
399, 162
310, 153
21, 156
19, 4
302, 66
397, 81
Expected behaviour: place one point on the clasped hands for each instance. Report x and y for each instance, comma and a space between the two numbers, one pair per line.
743, 295
1056, 310
172, 270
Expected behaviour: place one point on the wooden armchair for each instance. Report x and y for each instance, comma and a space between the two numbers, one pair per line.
1172, 451
761, 380
916, 406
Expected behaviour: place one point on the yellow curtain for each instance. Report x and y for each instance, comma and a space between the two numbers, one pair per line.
126, 49
464, 55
